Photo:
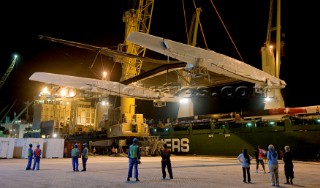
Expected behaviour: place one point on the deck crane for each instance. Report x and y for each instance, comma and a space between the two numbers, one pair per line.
270, 62
26, 109
5, 76
4, 116
185, 80
4, 131
135, 19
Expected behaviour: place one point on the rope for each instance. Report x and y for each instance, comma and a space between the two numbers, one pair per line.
227, 31
185, 19
201, 28
269, 24
204, 38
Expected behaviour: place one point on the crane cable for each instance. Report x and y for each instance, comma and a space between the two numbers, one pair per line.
185, 20
186, 26
101, 60
269, 29
227, 31
201, 28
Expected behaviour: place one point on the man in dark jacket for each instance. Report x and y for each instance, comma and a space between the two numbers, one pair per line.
165, 161
288, 165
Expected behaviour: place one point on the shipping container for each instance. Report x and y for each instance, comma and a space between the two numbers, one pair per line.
53, 148
68, 145
6, 148
22, 144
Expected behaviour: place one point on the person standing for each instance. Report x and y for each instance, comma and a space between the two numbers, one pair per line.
134, 159
288, 165
115, 152
273, 165
74, 156
37, 155
245, 160
166, 161
259, 154
85, 155
94, 151
30, 156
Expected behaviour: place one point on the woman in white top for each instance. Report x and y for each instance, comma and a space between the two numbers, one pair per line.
245, 160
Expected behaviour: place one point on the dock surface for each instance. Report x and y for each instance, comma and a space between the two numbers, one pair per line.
188, 171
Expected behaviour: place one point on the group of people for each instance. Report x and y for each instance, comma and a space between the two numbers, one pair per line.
75, 156
272, 157
36, 155
134, 160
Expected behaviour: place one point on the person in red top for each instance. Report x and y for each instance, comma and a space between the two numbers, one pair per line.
165, 161
259, 154
37, 155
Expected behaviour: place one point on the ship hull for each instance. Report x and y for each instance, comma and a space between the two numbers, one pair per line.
303, 139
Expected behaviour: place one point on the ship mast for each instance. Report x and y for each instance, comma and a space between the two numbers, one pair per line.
278, 39
270, 62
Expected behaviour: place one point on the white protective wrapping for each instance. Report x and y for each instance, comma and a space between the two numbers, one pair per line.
213, 61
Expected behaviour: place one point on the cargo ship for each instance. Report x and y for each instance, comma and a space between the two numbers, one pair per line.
228, 134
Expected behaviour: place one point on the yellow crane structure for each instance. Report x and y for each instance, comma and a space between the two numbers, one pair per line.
130, 55
135, 20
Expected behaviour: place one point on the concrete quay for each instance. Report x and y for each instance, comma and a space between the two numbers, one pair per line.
110, 171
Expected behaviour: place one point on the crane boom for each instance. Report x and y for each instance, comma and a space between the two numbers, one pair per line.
7, 111
5, 76
22, 111
135, 20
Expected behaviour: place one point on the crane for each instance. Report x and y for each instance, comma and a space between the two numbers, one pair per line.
5, 76
135, 20
138, 18
271, 63
7, 111
187, 109
22, 111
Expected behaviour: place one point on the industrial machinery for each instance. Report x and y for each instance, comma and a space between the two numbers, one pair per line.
270, 62
2, 81
127, 124
5, 76
133, 125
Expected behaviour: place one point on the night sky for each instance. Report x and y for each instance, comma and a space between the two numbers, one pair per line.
100, 23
